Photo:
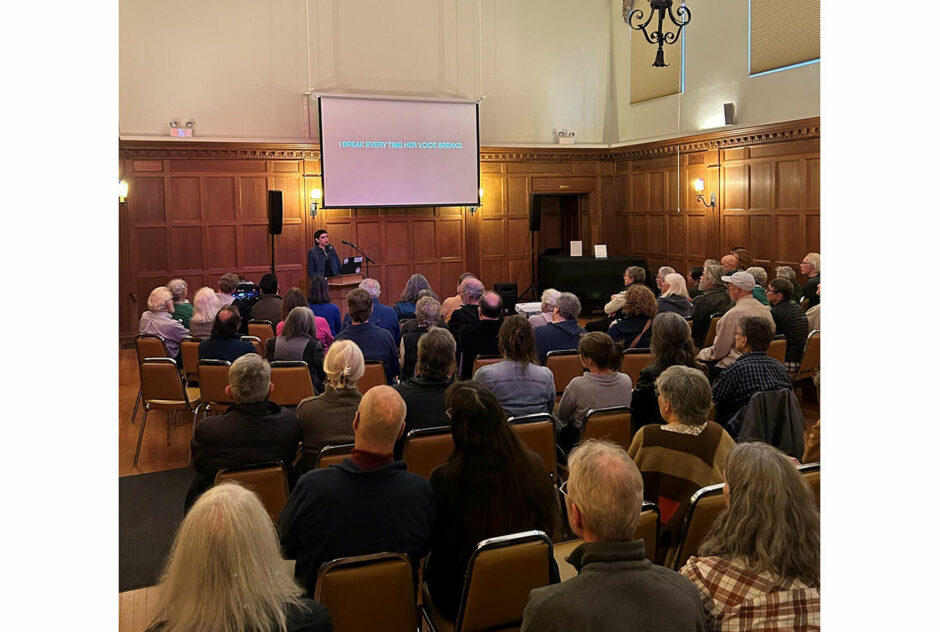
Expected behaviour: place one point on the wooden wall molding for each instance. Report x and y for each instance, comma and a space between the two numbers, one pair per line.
219, 151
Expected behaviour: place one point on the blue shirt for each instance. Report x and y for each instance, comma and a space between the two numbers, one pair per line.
330, 313
376, 344
522, 389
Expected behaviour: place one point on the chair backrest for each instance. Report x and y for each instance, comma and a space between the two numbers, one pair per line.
565, 366
810, 361
292, 384
426, 448
161, 385
778, 348
501, 573
483, 360
268, 480
333, 454
537, 432
810, 473
189, 348
712, 331
704, 507
149, 346
611, 424
386, 579
374, 376
256, 343
634, 360
213, 378
263, 329
647, 529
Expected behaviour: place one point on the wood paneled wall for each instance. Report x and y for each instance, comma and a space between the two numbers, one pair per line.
198, 210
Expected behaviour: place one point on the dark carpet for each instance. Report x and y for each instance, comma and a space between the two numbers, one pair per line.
150, 510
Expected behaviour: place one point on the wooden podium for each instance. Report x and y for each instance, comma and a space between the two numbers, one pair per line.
340, 286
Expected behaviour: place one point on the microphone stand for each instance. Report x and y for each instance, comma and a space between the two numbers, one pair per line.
364, 255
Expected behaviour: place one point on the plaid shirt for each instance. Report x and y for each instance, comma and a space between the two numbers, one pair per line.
751, 372
736, 598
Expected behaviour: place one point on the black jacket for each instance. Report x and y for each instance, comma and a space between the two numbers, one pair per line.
675, 303
480, 338
710, 301
424, 400
557, 337
790, 320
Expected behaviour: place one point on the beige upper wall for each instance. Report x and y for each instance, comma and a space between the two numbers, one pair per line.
240, 67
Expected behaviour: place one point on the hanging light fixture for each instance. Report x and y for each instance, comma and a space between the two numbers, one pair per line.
657, 7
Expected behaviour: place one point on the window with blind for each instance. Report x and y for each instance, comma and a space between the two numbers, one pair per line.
647, 82
783, 34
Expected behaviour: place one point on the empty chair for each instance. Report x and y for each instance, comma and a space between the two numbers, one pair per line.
213, 378
148, 346
810, 361
778, 348
704, 507
268, 480
374, 376
256, 343
565, 366
634, 360
426, 448
810, 473
385, 578
263, 329
483, 360
162, 388
537, 432
189, 351
501, 573
611, 424
334, 454
292, 384
647, 528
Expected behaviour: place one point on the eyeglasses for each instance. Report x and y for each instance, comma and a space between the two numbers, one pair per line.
448, 412
564, 489
738, 333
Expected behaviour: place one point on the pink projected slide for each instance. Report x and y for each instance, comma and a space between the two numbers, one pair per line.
377, 152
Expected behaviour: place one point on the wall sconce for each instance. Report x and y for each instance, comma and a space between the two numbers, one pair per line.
699, 186
315, 196
182, 130
122, 191
473, 209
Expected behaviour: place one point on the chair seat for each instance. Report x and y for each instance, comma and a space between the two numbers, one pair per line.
563, 550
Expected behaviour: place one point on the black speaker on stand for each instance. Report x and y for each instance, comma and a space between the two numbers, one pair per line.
508, 292
275, 218
535, 225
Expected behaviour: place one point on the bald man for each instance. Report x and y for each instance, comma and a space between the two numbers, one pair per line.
367, 504
729, 263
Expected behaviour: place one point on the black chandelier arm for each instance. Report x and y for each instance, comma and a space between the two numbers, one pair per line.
685, 15
638, 14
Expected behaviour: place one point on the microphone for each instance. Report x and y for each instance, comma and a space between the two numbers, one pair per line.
350, 244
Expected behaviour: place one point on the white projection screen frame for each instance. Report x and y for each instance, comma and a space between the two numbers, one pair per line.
385, 152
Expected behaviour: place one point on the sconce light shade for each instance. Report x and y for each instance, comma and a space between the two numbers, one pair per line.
122, 190
699, 185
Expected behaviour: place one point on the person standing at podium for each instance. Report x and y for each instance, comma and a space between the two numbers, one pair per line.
322, 258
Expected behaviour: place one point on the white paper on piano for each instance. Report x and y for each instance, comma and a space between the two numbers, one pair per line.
576, 249
600, 251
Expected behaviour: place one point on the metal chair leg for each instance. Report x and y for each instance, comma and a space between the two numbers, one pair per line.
136, 404
140, 435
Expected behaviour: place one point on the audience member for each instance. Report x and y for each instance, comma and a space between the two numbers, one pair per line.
714, 299
789, 320
326, 419
225, 572
812, 314
454, 302
318, 298
521, 386
490, 485
182, 309
711, 262
225, 342
759, 564
616, 587
601, 386
481, 337
205, 306
375, 342
722, 352
639, 309
671, 345
428, 314
382, 315
295, 298
411, 324
693, 279
298, 341
809, 267
227, 284
786, 272
563, 332
471, 290
405, 308
660, 277
544, 317
254, 430
682, 456
157, 321
674, 297
424, 393
760, 284
366, 504
632, 275
322, 258
729, 263
743, 257
268, 306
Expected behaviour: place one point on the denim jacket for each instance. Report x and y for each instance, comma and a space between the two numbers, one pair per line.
522, 389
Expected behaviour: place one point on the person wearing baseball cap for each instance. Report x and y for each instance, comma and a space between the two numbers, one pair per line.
723, 353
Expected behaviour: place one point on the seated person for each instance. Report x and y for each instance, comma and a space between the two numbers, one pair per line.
205, 306
254, 430
602, 386
366, 504
810, 267
563, 332
480, 338
454, 302
410, 325
760, 284
490, 485
375, 342
693, 279
638, 310
182, 309
544, 317
298, 342
790, 320
382, 315
722, 353
682, 456
428, 312
759, 569
661, 278
227, 284
518, 382
471, 290
616, 587
295, 298
753, 371
424, 393
632, 275
157, 321
225, 343
318, 299
268, 306
227, 548
405, 308
326, 419
674, 296
788, 273
714, 299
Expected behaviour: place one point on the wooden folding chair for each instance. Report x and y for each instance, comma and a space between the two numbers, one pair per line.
483, 360
501, 573
333, 454
256, 343
189, 350
609, 424
778, 348
810, 361
712, 330
426, 448
292, 383
213, 378
268, 480
148, 346
634, 361
162, 388
263, 329
704, 507
537, 432
388, 581
374, 376
565, 366
810, 473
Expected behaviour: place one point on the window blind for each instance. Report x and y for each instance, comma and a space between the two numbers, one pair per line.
783, 33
